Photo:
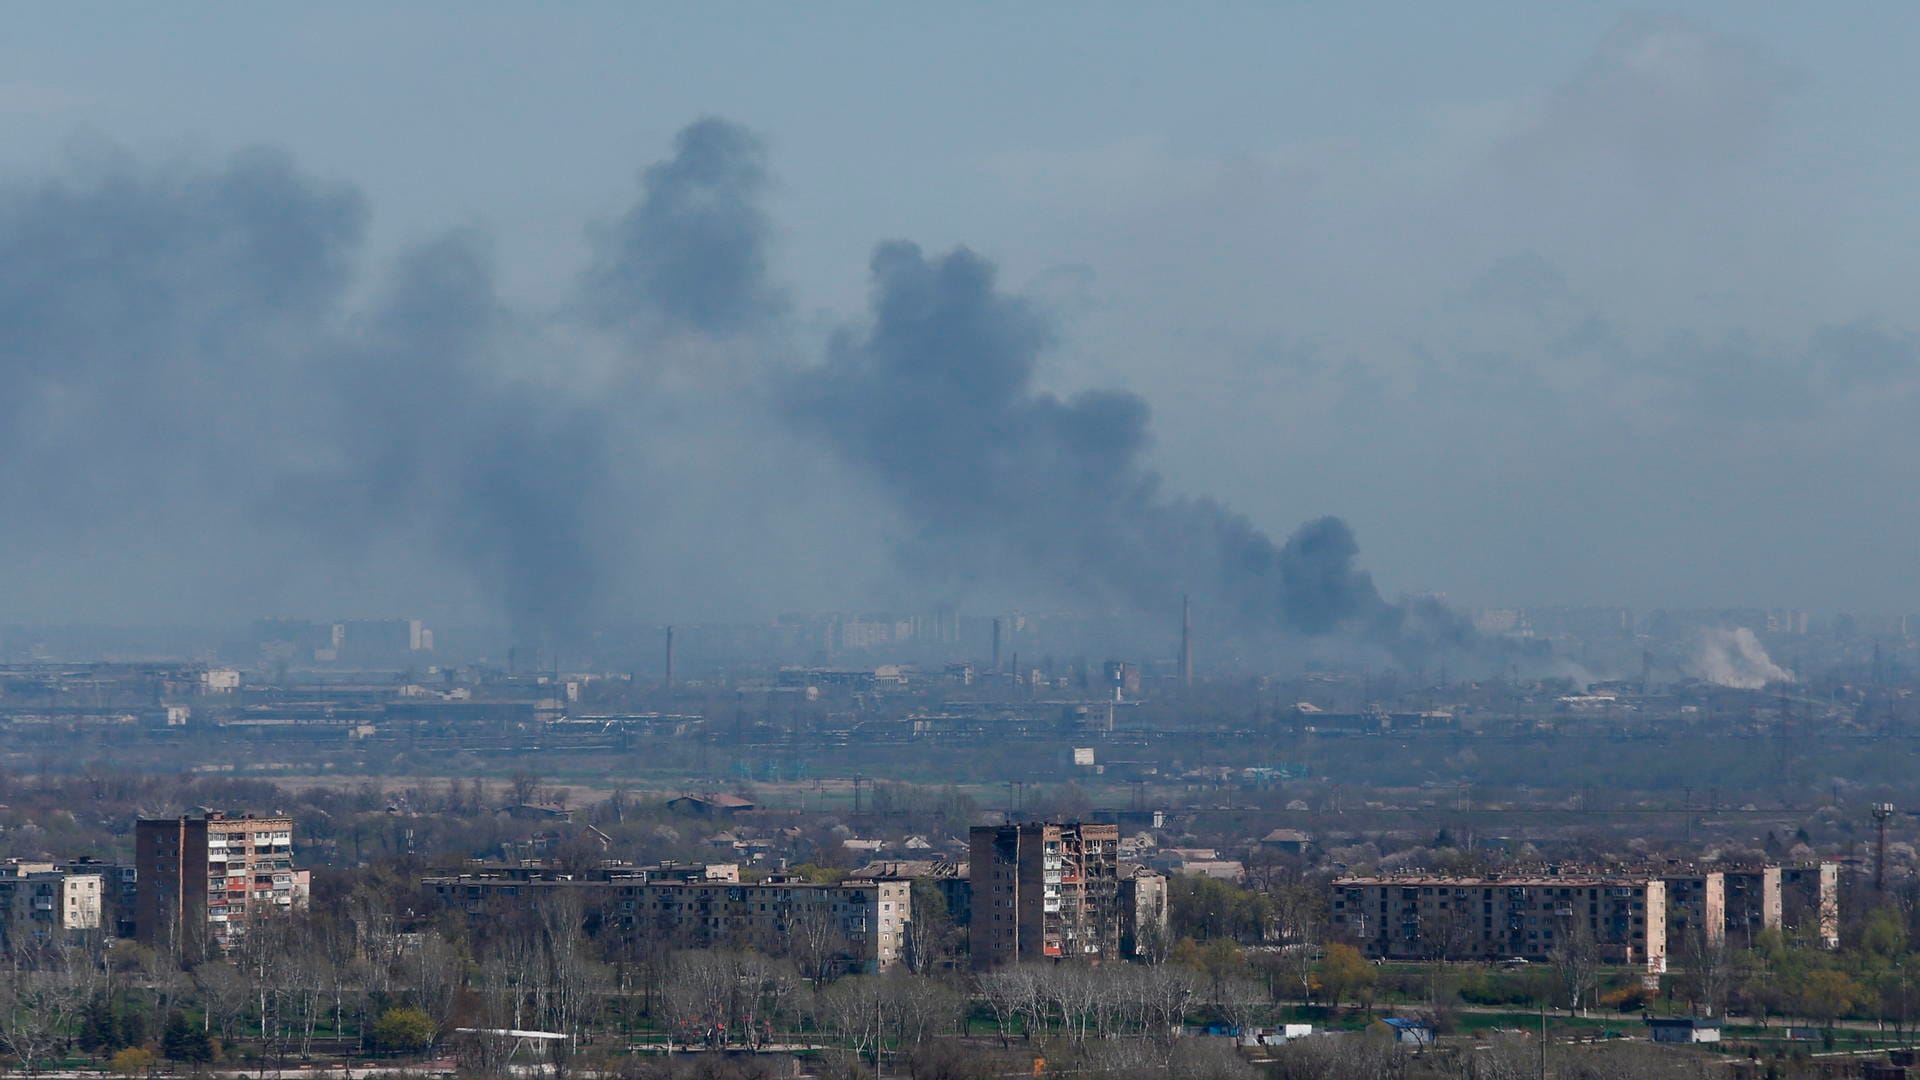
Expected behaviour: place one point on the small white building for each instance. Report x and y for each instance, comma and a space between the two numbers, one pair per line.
1274, 1036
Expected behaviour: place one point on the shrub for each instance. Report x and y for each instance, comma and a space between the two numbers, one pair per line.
133, 1061
403, 1030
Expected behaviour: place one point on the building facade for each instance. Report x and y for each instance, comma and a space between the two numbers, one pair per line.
41, 905
1419, 917
1810, 899
202, 878
1044, 892
1753, 903
120, 889
1145, 911
1696, 908
854, 926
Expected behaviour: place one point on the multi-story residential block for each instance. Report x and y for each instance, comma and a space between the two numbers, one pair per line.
949, 879
204, 877
119, 888
42, 905
1696, 907
1753, 902
1420, 917
1044, 891
858, 926
1810, 899
1144, 911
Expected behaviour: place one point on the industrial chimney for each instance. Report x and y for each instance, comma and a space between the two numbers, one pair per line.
996, 646
669, 657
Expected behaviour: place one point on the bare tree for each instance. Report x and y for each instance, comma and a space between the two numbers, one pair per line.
1004, 991
42, 990
523, 787
224, 996
434, 972
919, 1007
1576, 963
1166, 993
815, 939
853, 1009
1708, 968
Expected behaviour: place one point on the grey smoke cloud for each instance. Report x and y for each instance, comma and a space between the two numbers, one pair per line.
936, 399
185, 336
200, 421
692, 253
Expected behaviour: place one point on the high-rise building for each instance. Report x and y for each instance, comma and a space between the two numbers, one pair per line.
203, 877
1044, 891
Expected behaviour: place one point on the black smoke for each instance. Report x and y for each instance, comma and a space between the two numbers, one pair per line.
1006, 484
692, 253
197, 393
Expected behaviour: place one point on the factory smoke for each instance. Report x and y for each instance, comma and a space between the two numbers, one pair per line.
188, 349
1735, 658
935, 398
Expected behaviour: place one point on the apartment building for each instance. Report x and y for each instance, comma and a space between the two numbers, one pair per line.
1753, 902
1145, 911
1420, 917
858, 926
203, 877
42, 905
1810, 898
949, 879
120, 891
1044, 891
1696, 907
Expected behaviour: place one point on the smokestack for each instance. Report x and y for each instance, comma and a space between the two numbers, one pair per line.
669, 657
996, 646
1186, 641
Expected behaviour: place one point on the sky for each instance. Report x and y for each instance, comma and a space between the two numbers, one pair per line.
1573, 303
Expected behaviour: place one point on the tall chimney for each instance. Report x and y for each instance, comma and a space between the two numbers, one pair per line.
669, 657
1186, 641
996, 646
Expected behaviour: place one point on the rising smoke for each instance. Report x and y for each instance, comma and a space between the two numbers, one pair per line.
192, 394
1735, 658
692, 254
935, 398
183, 352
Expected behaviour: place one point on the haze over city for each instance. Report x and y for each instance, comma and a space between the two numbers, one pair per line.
544, 320
713, 542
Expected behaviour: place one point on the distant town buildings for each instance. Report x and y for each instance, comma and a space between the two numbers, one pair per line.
351, 643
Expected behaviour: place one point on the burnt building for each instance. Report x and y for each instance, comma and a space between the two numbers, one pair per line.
1044, 892
203, 877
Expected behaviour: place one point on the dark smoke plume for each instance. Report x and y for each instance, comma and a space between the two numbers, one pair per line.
499, 473
189, 383
692, 254
1004, 483
189, 389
